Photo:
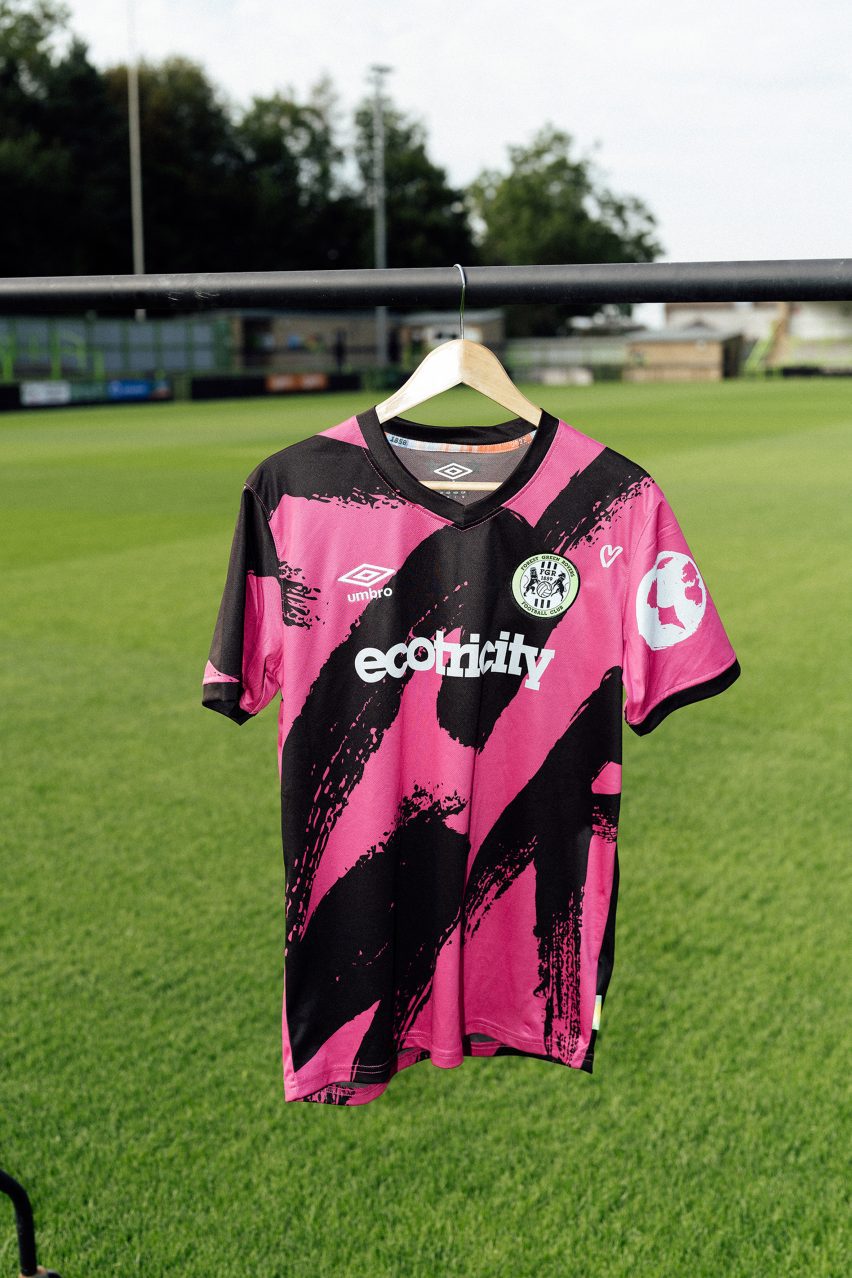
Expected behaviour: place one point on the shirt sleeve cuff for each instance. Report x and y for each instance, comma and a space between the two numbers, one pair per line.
685, 696
225, 699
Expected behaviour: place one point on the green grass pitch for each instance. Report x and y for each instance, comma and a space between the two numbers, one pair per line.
142, 884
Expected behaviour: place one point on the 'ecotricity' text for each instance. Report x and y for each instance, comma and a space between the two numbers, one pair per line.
506, 655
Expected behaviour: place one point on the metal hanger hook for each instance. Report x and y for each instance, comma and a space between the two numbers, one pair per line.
461, 304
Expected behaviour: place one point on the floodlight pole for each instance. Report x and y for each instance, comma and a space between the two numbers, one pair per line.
135, 149
379, 221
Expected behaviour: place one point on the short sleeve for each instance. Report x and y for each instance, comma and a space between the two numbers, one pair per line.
242, 673
676, 650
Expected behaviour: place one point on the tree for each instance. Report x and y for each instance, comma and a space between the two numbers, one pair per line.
57, 157
267, 187
298, 212
426, 217
191, 166
28, 37
550, 208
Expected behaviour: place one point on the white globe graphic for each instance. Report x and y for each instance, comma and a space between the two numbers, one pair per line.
670, 601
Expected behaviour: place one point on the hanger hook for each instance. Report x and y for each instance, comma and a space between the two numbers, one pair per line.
461, 304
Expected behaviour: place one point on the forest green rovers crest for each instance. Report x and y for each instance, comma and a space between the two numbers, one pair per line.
545, 585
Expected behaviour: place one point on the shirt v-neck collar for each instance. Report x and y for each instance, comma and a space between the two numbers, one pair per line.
461, 516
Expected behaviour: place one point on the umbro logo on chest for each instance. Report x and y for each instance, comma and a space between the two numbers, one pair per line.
369, 577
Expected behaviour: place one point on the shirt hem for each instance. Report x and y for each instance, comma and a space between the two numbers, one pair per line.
335, 1086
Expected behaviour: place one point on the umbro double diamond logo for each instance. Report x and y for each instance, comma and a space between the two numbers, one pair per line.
368, 576
453, 470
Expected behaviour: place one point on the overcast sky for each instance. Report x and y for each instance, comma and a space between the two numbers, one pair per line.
731, 119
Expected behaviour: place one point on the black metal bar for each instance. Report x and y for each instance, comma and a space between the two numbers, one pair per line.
23, 1220
809, 279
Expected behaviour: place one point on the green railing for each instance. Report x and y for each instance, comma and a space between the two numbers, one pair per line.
99, 348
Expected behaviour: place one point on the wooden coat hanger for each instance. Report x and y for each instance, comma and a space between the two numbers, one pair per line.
454, 363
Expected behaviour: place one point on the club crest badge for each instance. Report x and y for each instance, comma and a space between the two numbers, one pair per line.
545, 585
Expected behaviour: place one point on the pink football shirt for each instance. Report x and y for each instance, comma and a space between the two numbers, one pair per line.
452, 617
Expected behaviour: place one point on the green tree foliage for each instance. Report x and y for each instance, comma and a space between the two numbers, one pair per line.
222, 190
426, 220
297, 208
191, 167
27, 34
552, 208
266, 187
59, 161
